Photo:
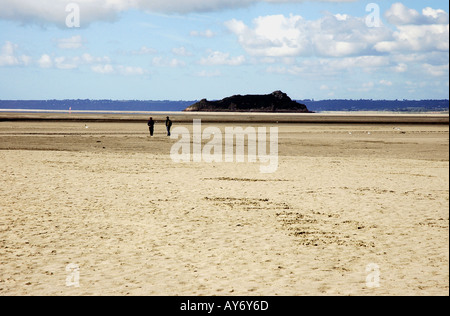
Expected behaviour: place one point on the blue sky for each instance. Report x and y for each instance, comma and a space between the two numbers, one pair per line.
194, 49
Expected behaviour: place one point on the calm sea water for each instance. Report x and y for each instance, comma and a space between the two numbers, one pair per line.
412, 106
97, 105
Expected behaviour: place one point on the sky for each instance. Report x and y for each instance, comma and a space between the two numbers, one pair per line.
195, 49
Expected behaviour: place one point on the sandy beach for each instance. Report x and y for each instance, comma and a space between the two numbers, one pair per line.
106, 198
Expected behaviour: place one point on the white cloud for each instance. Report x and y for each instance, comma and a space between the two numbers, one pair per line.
54, 12
45, 61
168, 62
216, 58
9, 56
414, 58
385, 83
130, 71
101, 65
399, 14
401, 67
206, 34
67, 63
330, 36
272, 36
25, 60
185, 6
367, 63
73, 42
181, 51
144, 50
417, 38
89, 59
436, 70
109, 69
364, 87
436, 16
103, 69
342, 43
332, 67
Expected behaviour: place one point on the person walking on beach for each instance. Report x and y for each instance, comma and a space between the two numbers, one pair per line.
168, 125
151, 126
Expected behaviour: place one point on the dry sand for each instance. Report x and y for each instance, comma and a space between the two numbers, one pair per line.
109, 199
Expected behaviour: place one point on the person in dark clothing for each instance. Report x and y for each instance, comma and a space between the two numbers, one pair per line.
151, 126
168, 125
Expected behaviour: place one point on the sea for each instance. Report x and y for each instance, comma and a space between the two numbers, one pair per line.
139, 106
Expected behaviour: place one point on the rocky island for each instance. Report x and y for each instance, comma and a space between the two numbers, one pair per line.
276, 102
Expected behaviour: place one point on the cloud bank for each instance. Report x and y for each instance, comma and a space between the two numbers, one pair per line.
54, 11
343, 35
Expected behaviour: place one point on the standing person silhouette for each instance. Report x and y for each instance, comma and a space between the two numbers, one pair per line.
168, 125
151, 126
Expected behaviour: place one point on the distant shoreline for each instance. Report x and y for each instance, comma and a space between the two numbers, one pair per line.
372, 117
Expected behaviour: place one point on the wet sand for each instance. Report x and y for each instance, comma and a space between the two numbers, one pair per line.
106, 197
